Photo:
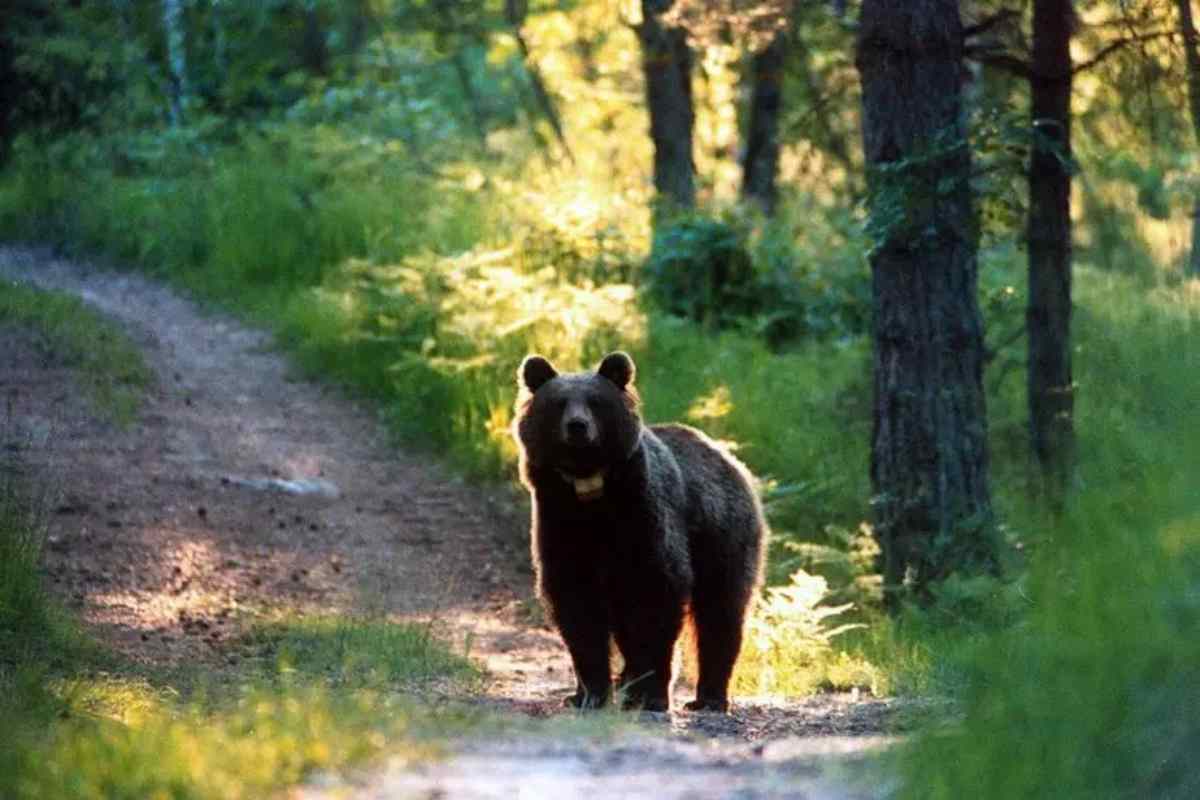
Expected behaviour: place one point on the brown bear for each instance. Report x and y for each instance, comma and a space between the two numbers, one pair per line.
634, 528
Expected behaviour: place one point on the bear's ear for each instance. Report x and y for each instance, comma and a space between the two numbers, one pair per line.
534, 372
618, 367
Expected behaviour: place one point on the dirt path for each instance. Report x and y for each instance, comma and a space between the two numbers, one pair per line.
242, 491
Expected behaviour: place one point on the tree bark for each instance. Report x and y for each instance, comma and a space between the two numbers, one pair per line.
929, 455
761, 160
314, 50
1051, 390
173, 22
474, 101
515, 12
667, 66
1191, 49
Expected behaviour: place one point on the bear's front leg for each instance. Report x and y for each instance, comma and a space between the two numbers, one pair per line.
588, 645
646, 636
582, 622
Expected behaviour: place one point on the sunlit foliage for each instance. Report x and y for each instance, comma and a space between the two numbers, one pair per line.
790, 644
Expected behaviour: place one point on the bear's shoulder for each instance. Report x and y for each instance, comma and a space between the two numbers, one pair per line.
678, 436
699, 456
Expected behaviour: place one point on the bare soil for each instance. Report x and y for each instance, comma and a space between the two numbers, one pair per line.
174, 535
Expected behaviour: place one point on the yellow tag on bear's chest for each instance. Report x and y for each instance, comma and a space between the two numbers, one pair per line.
589, 489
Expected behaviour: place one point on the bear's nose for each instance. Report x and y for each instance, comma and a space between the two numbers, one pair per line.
577, 431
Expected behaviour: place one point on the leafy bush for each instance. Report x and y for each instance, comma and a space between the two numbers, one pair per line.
701, 269
725, 275
789, 643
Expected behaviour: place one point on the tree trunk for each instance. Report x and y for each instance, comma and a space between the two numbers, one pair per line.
761, 160
219, 62
515, 13
172, 14
1191, 49
667, 66
929, 456
474, 102
314, 50
1048, 314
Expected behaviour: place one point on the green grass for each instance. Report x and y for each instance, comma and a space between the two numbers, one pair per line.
1091, 693
124, 739
322, 695
81, 722
343, 652
108, 366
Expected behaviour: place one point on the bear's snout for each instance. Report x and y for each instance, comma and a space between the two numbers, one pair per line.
578, 426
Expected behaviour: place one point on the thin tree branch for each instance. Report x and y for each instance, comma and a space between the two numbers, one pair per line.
1117, 46
991, 353
991, 57
543, 96
1008, 62
986, 24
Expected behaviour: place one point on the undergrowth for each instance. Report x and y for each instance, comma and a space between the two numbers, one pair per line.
1090, 690
320, 695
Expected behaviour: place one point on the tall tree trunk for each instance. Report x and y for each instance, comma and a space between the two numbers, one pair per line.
761, 160
313, 50
173, 22
667, 66
219, 62
1048, 314
929, 456
474, 102
1191, 49
514, 11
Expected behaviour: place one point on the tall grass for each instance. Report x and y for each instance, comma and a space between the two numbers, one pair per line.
32, 629
1093, 694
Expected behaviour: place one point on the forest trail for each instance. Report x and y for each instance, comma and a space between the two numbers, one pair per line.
242, 491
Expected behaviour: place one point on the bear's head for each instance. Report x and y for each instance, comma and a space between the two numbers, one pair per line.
577, 425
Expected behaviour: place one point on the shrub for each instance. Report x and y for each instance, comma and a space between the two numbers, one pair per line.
701, 269
726, 275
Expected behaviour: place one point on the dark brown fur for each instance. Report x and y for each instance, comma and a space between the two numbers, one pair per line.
677, 529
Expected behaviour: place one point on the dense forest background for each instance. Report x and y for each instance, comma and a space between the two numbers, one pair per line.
930, 268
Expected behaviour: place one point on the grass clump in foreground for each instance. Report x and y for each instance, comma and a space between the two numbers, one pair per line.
109, 367
78, 722
74, 731
351, 653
